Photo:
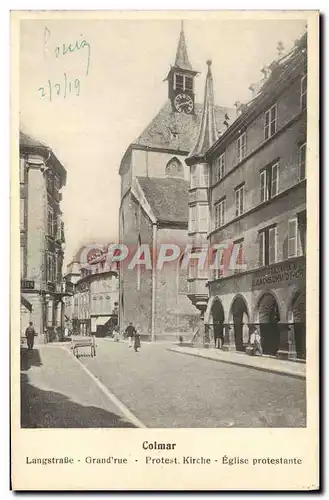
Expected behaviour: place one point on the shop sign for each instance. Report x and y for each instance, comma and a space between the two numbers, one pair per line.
278, 275
27, 284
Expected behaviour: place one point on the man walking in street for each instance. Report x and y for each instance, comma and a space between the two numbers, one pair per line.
130, 333
30, 334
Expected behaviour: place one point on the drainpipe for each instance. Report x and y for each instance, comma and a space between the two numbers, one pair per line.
153, 282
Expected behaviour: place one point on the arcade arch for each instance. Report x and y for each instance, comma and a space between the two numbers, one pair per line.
239, 316
297, 316
268, 319
217, 320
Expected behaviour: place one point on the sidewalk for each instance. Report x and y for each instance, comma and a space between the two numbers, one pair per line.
58, 392
282, 367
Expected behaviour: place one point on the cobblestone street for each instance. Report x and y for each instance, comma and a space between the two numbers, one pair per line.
159, 387
167, 389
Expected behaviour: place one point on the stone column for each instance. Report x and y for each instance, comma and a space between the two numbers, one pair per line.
229, 339
204, 333
287, 348
249, 348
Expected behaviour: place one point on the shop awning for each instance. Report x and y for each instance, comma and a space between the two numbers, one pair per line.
101, 320
26, 303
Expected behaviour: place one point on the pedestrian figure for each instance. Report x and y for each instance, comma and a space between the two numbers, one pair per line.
255, 341
130, 333
116, 333
30, 334
137, 341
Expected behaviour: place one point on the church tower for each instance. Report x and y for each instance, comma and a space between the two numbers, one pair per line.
181, 80
155, 203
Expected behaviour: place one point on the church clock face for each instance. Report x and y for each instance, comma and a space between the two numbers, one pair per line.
183, 103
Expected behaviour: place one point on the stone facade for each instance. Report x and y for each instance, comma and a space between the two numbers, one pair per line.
265, 222
42, 237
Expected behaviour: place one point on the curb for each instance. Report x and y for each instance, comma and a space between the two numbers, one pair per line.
121, 406
245, 365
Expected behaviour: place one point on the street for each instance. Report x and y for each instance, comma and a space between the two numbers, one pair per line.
167, 389
153, 388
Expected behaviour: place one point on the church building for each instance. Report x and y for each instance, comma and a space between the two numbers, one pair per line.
154, 207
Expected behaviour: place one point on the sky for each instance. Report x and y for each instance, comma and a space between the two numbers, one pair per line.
105, 92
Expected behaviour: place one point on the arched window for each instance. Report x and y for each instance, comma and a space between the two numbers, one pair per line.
174, 168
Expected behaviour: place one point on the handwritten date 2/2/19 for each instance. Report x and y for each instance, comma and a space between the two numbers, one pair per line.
60, 88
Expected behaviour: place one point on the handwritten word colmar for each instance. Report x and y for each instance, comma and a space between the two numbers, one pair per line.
60, 88
63, 49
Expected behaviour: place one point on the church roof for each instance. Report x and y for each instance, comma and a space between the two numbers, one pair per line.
167, 197
178, 131
182, 60
208, 131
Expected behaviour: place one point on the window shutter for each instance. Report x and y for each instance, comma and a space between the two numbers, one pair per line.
275, 180
272, 245
263, 186
262, 248
292, 238
237, 202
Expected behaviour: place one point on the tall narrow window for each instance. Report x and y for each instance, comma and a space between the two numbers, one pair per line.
50, 180
303, 92
220, 213
270, 122
22, 213
204, 176
238, 254
272, 245
179, 82
262, 248
263, 186
193, 219
193, 177
301, 217
268, 246
22, 262
220, 167
203, 218
50, 221
241, 144
22, 170
239, 200
58, 229
275, 180
269, 182
188, 83
302, 161
292, 237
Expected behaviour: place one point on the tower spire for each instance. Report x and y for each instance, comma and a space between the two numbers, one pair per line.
207, 132
182, 60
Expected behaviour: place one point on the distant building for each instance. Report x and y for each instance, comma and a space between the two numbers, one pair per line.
42, 177
257, 203
94, 307
154, 207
